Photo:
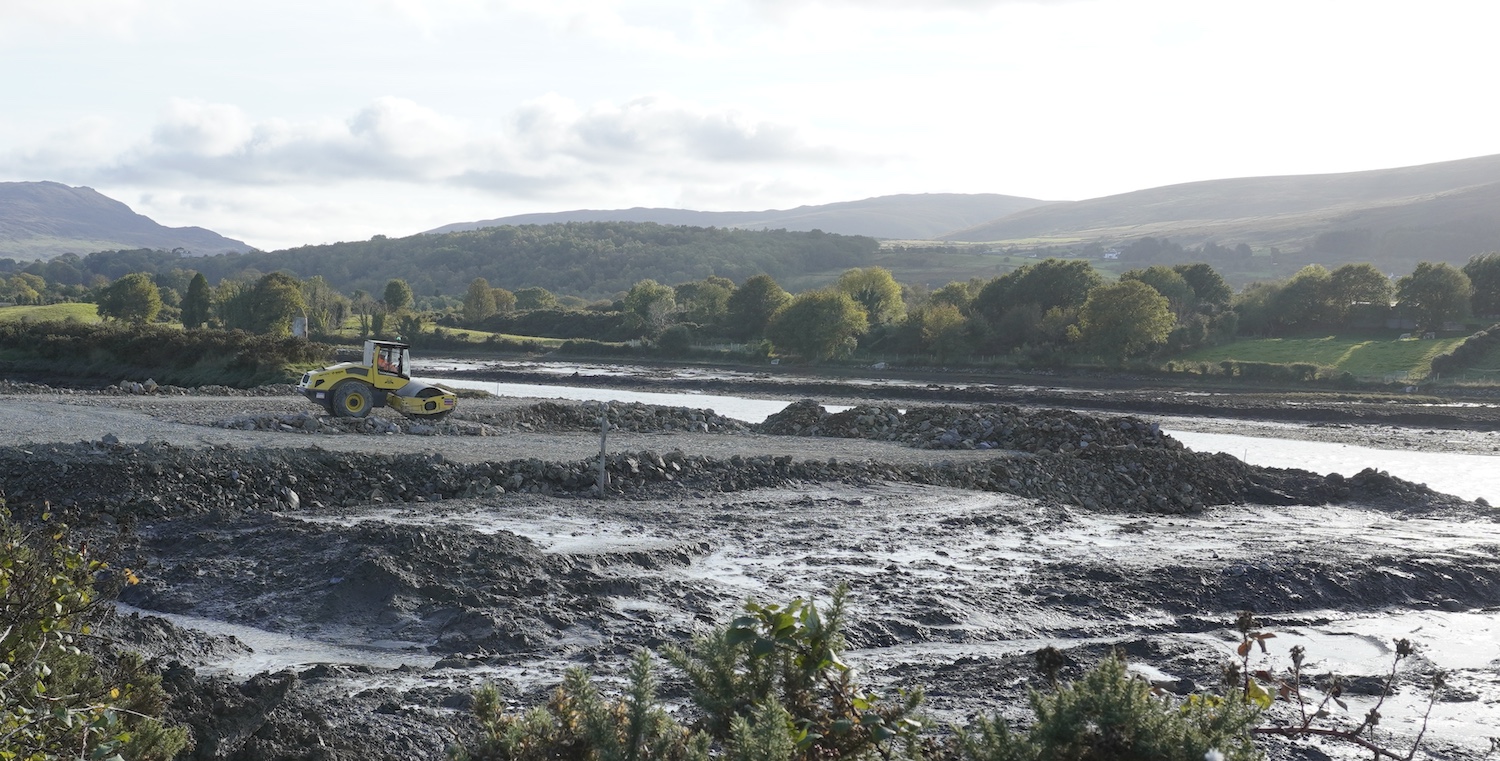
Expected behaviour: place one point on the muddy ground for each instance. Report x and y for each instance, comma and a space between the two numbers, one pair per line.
316, 590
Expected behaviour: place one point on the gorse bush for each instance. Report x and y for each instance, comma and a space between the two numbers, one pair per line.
1109, 716
790, 655
771, 686
57, 700
579, 723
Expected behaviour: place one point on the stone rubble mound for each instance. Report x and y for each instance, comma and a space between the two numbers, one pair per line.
314, 422
634, 417
110, 481
978, 427
147, 387
541, 417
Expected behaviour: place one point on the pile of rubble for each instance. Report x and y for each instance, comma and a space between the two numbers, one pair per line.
154, 480
979, 427
541, 417
623, 416
313, 422
149, 386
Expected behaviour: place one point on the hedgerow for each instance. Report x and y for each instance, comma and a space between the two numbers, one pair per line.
112, 351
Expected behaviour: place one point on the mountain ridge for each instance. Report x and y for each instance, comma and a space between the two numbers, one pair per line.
1442, 209
40, 220
905, 216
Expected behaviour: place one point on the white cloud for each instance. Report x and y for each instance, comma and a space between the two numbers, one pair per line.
658, 128
214, 165
548, 143
116, 19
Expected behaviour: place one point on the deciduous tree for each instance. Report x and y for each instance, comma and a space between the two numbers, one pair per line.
1208, 285
505, 301
819, 324
479, 302
1169, 283
876, 291
1484, 275
1124, 319
705, 301
535, 298
1306, 301
397, 295
650, 303
943, 327
326, 307
1352, 285
1434, 294
132, 298
274, 301
752, 305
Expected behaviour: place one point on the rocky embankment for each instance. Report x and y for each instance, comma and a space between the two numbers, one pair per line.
542, 416
1102, 464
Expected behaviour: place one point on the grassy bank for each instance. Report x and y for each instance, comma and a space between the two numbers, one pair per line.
1364, 357
76, 311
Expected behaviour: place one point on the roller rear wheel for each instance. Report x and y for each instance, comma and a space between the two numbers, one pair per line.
353, 399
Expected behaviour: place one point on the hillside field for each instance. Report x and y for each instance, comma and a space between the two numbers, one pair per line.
82, 312
1362, 356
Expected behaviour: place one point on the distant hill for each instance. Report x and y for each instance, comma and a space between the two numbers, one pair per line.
595, 260
900, 217
39, 220
1446, 211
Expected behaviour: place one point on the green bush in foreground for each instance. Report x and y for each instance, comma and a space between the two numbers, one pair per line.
57, 701
770, 686
1107, 715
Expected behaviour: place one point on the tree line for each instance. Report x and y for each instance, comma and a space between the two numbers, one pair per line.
1049, 311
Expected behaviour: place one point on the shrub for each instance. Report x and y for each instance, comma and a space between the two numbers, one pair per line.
1107, 715
580, 723
675, 341
111, 351
790, 654
56, 699
768, 687
1473, 349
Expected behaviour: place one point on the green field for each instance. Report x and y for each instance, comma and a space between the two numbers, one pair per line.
1361, 356
478, 337
51, 312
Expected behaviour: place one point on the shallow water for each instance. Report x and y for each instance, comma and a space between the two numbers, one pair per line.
1470, 476
273, 651
737, 407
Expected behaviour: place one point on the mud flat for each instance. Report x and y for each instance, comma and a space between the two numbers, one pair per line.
325, 591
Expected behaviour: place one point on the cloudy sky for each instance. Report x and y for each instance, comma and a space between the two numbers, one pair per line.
283, 122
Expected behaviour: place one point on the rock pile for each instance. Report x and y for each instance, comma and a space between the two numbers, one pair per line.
541, 417
113, 482
149, 386
313, 422
980, 427
623, 416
